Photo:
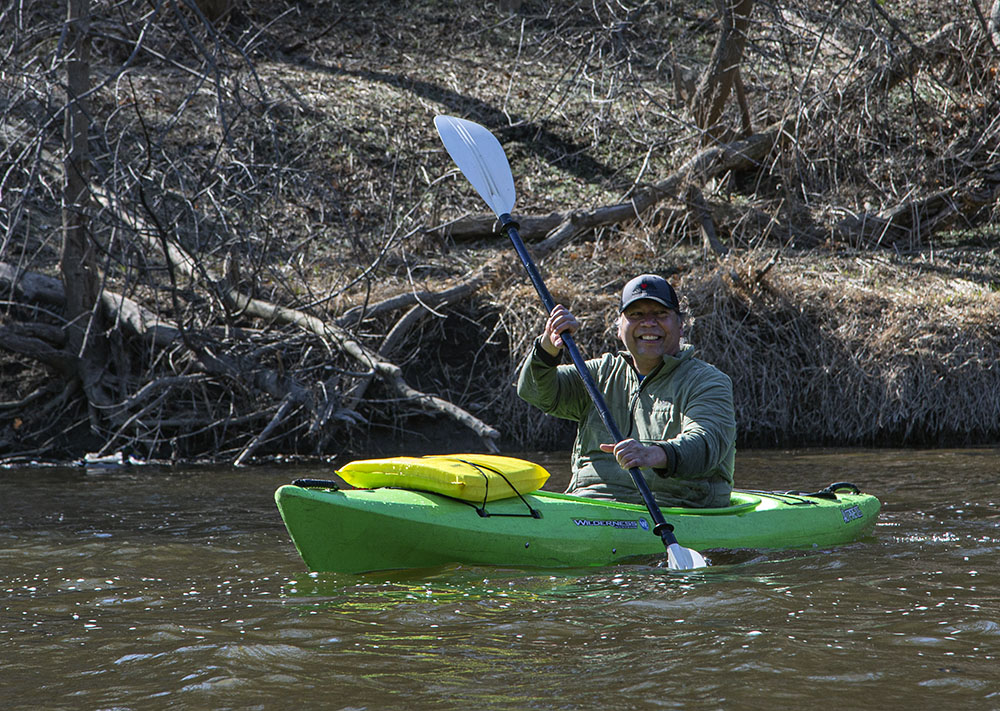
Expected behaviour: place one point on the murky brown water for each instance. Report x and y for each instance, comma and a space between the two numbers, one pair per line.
165, 589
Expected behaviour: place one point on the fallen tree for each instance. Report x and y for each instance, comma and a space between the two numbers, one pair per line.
290, 395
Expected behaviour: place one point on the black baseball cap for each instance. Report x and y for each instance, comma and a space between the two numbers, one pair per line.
650, 286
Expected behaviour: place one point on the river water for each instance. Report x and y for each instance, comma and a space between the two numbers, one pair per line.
152, 588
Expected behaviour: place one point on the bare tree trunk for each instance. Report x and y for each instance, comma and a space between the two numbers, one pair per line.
78, 263
994, 23
722, 72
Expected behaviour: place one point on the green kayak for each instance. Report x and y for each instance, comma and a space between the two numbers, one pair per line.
362, 530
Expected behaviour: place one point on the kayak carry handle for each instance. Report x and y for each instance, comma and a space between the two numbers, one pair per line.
829, 492
316, 484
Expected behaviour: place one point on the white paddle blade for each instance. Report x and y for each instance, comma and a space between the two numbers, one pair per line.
480, 157
680, 558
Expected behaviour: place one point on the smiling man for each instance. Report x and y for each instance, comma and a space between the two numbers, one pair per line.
675, 411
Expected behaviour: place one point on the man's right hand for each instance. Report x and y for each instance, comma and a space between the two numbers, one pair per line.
560, 320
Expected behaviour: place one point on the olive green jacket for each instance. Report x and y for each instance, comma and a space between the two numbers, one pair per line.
685, 406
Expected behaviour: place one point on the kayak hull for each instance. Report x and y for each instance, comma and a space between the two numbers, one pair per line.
364, 530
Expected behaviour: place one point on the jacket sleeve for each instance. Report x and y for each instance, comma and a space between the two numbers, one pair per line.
554, 389
708, 430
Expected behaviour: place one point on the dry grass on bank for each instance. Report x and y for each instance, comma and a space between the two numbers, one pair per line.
861, 350
853, 351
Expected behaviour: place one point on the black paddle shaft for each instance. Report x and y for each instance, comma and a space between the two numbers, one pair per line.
663, 529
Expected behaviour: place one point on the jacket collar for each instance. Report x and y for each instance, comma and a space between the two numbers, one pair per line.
670, 362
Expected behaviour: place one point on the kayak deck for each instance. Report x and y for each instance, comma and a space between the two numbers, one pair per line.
362, 530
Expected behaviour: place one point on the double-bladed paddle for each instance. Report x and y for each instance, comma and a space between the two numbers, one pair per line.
481, 158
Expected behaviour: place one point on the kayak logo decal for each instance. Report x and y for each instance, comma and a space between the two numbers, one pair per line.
612, 524
852, 514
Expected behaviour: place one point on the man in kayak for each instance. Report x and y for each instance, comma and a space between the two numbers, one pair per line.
675, 411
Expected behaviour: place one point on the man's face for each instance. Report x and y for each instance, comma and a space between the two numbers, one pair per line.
649, 331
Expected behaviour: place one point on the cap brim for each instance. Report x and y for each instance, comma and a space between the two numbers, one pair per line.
645, 297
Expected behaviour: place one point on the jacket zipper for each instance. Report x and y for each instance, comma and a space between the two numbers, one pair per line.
634, 400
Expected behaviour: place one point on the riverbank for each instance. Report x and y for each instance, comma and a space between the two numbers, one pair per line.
841, 350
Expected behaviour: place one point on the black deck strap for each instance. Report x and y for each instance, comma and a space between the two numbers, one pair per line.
829, 492
481, 510
483, 513
316, 483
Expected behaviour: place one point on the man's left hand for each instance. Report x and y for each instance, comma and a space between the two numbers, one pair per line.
633, 453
